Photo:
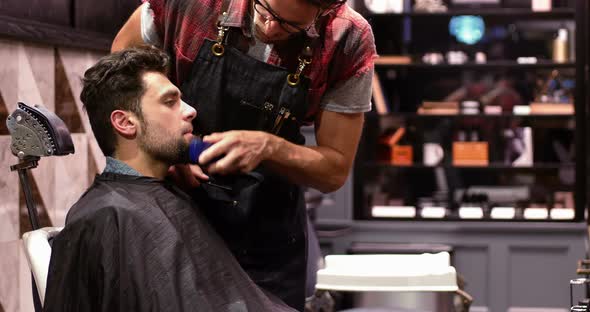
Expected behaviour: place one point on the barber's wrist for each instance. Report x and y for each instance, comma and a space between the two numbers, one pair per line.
274, 144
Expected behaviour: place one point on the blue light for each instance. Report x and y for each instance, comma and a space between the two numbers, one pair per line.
467, 28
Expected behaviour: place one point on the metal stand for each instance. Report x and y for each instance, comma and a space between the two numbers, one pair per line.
23, 174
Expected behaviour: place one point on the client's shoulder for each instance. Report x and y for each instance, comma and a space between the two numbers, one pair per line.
113, 194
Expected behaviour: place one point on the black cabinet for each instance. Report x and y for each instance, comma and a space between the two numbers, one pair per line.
479, 114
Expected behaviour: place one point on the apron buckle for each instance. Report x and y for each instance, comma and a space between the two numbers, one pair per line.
218, 49
293, 79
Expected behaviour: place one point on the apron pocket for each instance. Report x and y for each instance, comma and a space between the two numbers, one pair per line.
233, 197
250, 116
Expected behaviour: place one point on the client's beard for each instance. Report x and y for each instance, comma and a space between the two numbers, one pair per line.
162, 146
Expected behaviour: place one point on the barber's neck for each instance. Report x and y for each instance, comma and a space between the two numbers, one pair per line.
142, 162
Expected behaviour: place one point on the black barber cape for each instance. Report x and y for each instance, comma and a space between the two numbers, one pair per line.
140, 244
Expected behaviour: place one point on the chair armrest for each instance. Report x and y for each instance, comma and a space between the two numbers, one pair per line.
38, 252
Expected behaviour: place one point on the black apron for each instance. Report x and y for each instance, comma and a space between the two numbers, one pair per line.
260, 215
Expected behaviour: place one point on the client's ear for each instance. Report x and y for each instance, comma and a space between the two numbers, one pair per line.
125, 123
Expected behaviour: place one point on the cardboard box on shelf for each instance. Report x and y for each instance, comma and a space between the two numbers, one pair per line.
439, 108
470, 154
552, 108
379, 97
402, 155
393, 60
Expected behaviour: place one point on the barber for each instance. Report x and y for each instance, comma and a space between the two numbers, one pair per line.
256, 71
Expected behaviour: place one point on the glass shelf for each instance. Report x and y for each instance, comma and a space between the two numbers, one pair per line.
454, 217
491, 166
559, 13
463, 116
491, 65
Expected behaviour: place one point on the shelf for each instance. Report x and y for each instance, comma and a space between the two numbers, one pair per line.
435, 226
492, 166
28, 30
480, 221
499, 12
486, 66
455, 222
464, 116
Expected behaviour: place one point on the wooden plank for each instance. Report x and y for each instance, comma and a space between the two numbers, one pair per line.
379, 96
107, 18
26, 30
55, 12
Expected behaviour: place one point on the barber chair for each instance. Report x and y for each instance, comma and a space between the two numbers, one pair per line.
392, 283
38, 252
36, 132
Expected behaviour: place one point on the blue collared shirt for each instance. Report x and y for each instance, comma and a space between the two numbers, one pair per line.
117, 166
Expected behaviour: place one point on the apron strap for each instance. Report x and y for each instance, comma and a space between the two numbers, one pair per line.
304, 58
218, 48
224, 13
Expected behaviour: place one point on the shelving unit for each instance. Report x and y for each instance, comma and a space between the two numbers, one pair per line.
484, 116
486, 66
535, 166
509, 265
406, 82
494, 12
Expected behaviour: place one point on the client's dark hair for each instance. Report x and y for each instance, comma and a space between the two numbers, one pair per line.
115, 82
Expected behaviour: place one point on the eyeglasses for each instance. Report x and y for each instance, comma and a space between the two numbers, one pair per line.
268, 14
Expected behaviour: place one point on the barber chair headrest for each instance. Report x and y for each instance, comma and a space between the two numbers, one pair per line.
37, 132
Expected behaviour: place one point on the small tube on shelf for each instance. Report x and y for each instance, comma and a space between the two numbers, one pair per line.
393, 212
470, 212
433, 212
504, 213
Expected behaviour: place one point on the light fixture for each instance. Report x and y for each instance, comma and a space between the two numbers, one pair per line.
468, 29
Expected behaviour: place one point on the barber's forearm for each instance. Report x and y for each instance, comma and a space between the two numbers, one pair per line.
130, 34
322, 168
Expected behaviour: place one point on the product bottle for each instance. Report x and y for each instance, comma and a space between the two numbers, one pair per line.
560, 46
541, 5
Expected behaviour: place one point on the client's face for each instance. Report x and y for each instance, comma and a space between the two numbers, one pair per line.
166, 129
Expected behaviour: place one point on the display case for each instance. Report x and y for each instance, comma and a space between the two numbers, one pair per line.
479, 112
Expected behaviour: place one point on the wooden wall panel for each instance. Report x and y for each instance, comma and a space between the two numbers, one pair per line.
47, 11
29, 74
84, 24
107, 18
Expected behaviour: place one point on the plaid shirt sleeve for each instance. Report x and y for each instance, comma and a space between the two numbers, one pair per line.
347, 55
156, 7
355, 51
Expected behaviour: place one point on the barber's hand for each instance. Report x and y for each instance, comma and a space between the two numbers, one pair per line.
187, 176
242, 151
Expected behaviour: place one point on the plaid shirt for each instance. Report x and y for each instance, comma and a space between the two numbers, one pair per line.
345, 47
